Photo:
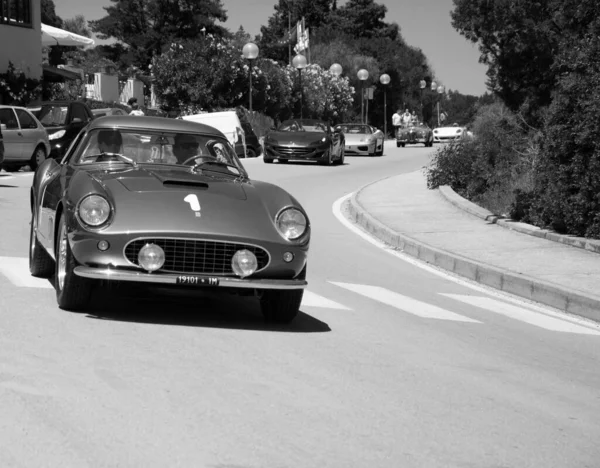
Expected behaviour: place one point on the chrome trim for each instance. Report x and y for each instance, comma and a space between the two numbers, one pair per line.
196, 240
157, 278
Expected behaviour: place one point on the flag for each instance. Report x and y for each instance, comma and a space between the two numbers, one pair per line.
303, 40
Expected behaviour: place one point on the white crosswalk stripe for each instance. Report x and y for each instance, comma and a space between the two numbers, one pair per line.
16, 269
311, 299
404, 303
524, 315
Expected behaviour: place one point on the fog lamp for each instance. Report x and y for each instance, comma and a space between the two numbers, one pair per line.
151, 257
244, 263
288, 257
103, 245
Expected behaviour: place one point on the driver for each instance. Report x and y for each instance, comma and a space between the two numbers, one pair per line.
185, 147
110, 141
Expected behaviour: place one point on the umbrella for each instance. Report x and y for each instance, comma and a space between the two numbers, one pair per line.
52, 36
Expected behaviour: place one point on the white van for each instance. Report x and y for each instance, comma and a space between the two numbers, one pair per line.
228, 123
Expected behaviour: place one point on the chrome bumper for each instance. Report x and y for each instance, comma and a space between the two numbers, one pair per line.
162, 278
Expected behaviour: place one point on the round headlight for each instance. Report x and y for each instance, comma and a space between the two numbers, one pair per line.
291, 223
151, 257
244, 263
94, 210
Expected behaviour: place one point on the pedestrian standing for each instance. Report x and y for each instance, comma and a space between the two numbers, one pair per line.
396, 121
406, 118
134, 105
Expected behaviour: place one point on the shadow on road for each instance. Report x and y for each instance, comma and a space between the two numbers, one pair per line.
199, 309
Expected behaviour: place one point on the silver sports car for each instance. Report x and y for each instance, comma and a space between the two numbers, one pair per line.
362, 139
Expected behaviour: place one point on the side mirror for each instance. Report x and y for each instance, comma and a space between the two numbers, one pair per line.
2, 127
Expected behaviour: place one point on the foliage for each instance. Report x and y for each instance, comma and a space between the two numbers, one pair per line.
49, 15
149, 27
77, 25
16, 88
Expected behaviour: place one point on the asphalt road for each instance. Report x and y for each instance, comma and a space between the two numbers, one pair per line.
389, 364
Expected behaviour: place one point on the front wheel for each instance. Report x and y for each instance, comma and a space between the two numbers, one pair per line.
41, 264
279, 306
340, 160
250, 153
72, 291
268, 161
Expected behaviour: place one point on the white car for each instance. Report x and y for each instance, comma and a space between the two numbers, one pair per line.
228, 123
362, 139
25, 139
443, 134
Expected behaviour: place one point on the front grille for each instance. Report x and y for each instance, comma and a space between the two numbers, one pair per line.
189, 256
293, 151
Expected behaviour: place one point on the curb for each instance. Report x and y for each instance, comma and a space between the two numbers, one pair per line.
449, 194
513, 283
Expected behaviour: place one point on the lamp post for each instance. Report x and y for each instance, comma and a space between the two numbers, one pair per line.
299, 62
422, 85
250, 52
336, 69
440, 90
385, 80
362, 76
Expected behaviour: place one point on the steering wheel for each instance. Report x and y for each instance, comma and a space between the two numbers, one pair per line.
198, 156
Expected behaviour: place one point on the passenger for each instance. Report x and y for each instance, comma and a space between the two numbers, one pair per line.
110, 141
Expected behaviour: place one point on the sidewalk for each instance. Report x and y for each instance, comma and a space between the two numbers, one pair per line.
403, 212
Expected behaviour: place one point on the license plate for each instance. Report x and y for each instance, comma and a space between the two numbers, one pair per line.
191, 280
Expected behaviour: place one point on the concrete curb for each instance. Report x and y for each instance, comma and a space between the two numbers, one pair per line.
552, 295
592, 245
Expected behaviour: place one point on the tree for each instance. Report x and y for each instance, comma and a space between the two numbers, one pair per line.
49, 15
363, 18
77, 25
148, 27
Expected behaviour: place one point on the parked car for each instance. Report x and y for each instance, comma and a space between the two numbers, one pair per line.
413, 134
108, 111
227, 122
304, 140
165, 202
25, 139
362, 139
63, 120
253, 146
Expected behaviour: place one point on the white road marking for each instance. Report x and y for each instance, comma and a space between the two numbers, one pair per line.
17, 271
522, 314
337, 212
311, 299
404, 303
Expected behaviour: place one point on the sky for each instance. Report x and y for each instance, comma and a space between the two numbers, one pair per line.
424, 24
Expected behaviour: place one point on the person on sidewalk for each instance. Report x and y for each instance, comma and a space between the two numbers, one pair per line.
406, 118
396, 121
134, 105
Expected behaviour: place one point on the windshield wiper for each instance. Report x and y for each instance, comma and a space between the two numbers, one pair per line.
216, 163
116, 155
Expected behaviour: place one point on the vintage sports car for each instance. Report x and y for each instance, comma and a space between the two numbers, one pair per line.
165, 202
362, 139
304, 140
413, 134
442, 134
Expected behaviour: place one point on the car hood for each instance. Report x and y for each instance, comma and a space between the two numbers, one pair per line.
448, 131
294, 138
355, 138
164, 201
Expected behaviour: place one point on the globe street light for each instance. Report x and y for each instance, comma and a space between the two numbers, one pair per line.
362, 76
440, 90
336, 69
385, 80
299, 62
250, 52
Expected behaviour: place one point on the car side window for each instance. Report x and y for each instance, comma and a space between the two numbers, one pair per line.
72, 149
8, 118
25, 119
78, 114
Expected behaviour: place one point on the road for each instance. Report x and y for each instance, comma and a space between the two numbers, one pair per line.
388, 365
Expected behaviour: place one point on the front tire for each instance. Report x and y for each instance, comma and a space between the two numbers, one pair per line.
268, 161
250, 153
340, 160
72, 291
279, 306
41, 264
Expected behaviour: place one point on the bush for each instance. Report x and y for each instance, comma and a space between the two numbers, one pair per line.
16, 88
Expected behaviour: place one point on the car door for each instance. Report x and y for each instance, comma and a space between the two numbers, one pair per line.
336, 138
29, 132
13, 139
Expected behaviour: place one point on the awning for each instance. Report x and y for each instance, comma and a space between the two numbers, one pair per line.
59, 75
52, 36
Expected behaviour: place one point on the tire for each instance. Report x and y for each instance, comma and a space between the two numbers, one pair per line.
268, 161
72, 292
403, 145
281, 306
250, 153
340, 160
41, 264
329, 161
38, 157
398, 144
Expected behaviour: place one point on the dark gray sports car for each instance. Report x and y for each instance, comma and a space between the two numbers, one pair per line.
304, 140
165, 202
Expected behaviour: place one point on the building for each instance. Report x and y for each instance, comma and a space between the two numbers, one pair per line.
21, 36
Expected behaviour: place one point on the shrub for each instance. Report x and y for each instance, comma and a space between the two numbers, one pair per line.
16, 88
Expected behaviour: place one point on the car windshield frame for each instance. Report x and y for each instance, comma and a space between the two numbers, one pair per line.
365, 129
46, 110
154, 147
303, 125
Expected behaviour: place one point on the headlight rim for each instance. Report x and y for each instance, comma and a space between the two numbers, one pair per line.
306, 231
104, 224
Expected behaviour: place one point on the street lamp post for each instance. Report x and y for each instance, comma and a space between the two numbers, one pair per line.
385, 80
250, 52
440, 90
362, 76
299, 62
336, 69
422, 85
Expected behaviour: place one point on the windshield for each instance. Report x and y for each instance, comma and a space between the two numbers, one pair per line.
303, 126
356, 129
52, 116
103, 146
